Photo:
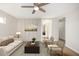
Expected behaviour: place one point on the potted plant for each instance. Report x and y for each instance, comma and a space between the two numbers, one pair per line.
33, 40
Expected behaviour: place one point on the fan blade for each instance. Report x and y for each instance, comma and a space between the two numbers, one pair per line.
42, 10
27, 6
36, 4
42, 4
33, 11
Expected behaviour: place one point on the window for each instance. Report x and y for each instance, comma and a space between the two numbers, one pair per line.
3, 20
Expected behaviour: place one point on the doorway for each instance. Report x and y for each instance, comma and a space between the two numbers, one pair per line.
46, 32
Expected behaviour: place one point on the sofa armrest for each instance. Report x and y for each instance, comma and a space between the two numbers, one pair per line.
2, 51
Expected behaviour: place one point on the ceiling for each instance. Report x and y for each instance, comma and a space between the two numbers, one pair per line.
52, 10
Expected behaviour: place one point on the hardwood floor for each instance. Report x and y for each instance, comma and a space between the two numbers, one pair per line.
69, 52
20, 51
43, 52
66, 52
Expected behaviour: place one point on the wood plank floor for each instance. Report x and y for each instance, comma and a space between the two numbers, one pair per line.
43, 52
69, 52
20, 51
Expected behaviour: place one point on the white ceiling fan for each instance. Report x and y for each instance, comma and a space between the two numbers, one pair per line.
36, 6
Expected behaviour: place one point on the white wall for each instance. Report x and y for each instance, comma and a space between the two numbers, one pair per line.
55, 28
72, 30
27, 36
10, 27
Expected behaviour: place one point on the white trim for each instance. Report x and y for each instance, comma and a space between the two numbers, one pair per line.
73, 49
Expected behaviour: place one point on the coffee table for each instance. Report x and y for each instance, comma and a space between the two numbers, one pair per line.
32, 47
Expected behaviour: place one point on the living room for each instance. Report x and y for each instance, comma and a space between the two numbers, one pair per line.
19, 23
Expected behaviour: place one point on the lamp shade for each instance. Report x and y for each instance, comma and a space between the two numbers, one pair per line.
18, 33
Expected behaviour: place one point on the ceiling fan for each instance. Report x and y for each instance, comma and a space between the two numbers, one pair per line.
36, 7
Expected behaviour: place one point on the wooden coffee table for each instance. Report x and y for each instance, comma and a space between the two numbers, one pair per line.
32, 48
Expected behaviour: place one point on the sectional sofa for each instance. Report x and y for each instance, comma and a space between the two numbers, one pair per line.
8, 45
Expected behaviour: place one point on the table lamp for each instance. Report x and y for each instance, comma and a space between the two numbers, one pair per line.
18, 34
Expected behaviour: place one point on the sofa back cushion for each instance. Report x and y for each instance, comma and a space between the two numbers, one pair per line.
6, 42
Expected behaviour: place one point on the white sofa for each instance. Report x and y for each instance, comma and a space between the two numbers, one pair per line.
10, 48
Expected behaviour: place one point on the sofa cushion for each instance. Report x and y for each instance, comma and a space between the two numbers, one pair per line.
3, 38
11, 46
6, 42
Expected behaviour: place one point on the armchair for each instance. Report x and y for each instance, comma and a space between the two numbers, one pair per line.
57, 49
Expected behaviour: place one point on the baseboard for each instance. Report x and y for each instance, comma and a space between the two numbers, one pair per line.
73, 50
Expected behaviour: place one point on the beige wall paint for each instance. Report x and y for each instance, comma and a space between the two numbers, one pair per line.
11, 25
72, 30
27, 36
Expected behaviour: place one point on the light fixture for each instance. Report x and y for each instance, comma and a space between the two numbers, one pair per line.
36, 8
18, 34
